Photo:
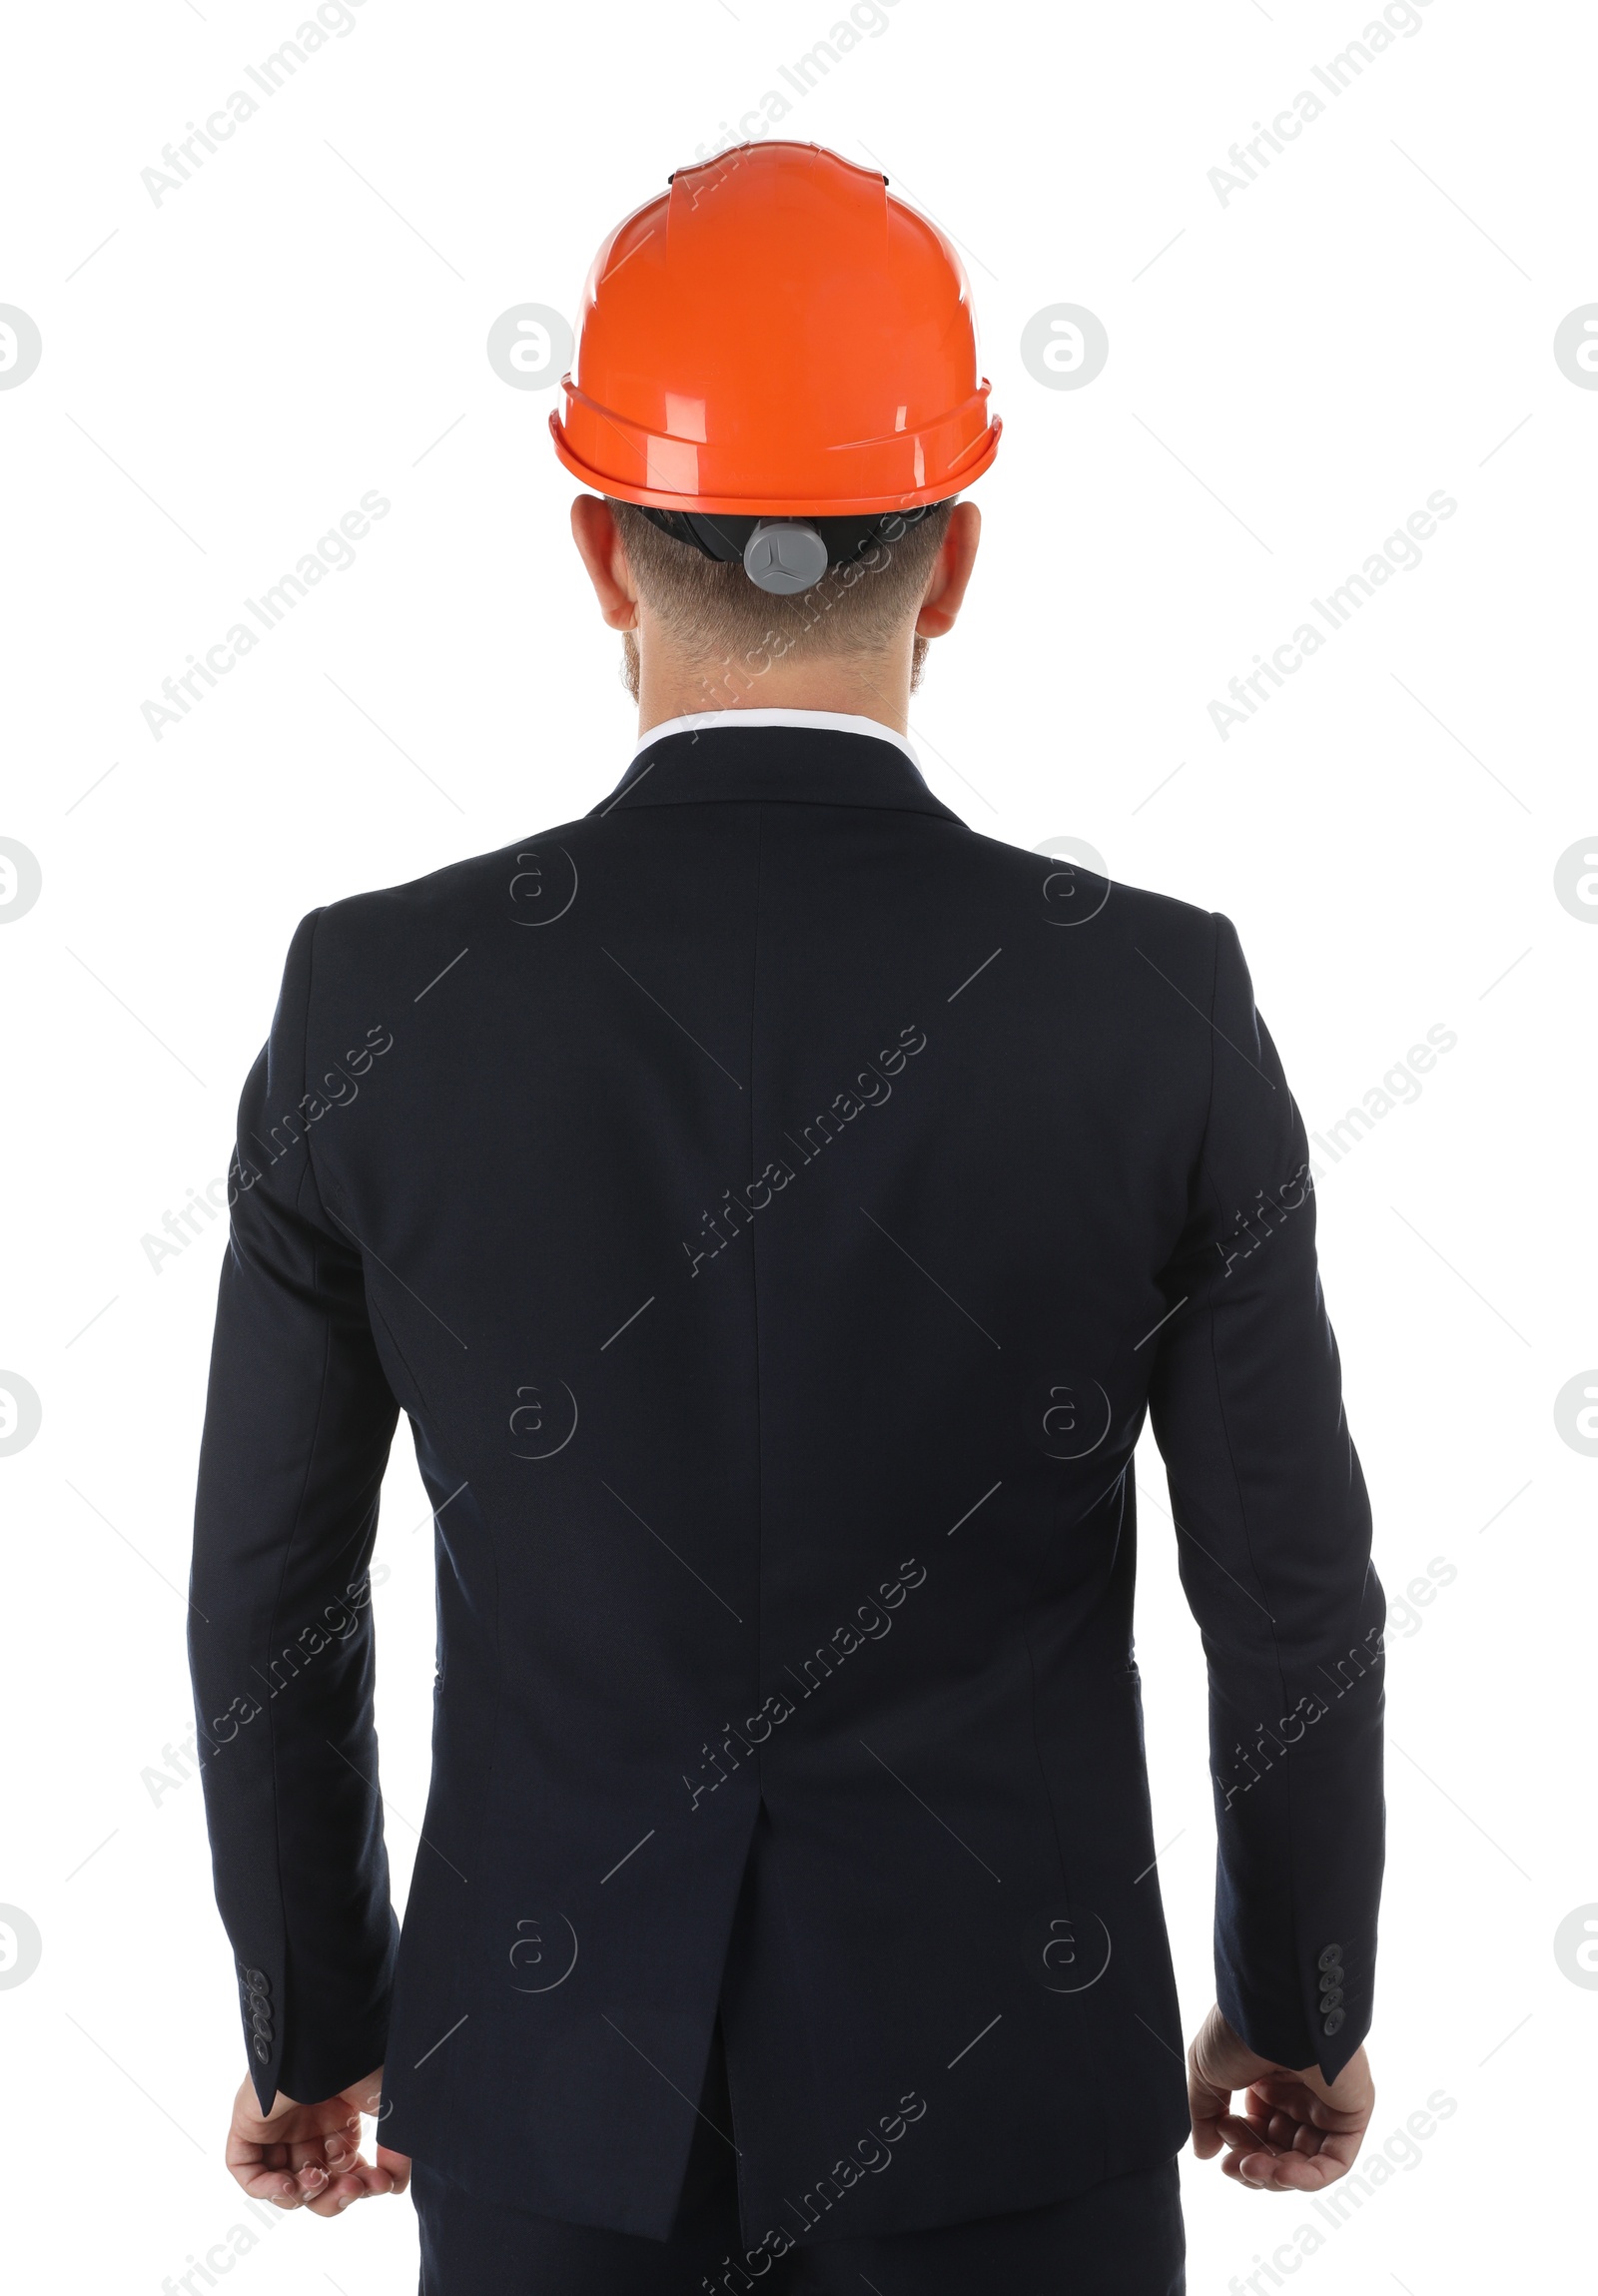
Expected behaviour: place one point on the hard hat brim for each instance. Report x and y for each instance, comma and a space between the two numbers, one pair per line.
951, 479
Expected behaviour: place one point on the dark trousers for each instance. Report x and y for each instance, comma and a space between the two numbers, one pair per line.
1120, 2238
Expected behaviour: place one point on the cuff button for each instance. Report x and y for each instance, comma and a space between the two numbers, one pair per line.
1333, 2023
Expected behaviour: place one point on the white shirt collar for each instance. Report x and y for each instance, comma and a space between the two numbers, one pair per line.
822, 720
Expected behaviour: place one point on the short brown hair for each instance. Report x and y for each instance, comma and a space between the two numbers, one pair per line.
723, 619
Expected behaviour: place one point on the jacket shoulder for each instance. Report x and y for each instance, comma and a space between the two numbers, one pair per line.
1060, 890
392, 916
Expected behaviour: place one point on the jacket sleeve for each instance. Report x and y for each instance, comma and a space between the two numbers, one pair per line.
1273, 1542
299, 1420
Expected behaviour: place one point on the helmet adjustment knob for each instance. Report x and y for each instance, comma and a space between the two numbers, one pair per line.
784, 557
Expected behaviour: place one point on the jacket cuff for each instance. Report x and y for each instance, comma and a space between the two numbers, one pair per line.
310, 2066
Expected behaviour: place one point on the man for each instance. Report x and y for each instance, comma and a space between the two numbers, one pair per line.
776, 1208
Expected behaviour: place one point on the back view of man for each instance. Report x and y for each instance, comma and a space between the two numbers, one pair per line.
776, 1208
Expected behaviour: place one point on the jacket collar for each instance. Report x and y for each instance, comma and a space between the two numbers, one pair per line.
785, 757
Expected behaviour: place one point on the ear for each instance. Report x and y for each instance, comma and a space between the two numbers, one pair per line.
600, 547
951, 571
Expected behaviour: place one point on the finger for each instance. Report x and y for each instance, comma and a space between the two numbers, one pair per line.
399, 2166
332, 2204
243, 2150
1292, 2172
1262, 2171
1285, 2171
342, 2144
1304, 2105
1206, 2105
1285, 2135
1206, 2137
267, 2184
1243, 2135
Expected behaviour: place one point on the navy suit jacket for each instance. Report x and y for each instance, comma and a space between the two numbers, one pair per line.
776, 1208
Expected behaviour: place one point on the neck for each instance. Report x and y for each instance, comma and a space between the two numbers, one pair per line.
874, 685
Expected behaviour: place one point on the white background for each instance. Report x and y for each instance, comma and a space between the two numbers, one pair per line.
1290, 375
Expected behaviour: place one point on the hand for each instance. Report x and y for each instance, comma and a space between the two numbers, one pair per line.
1297, 2132
308, 2155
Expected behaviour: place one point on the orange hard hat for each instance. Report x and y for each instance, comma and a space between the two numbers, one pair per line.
776, 336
